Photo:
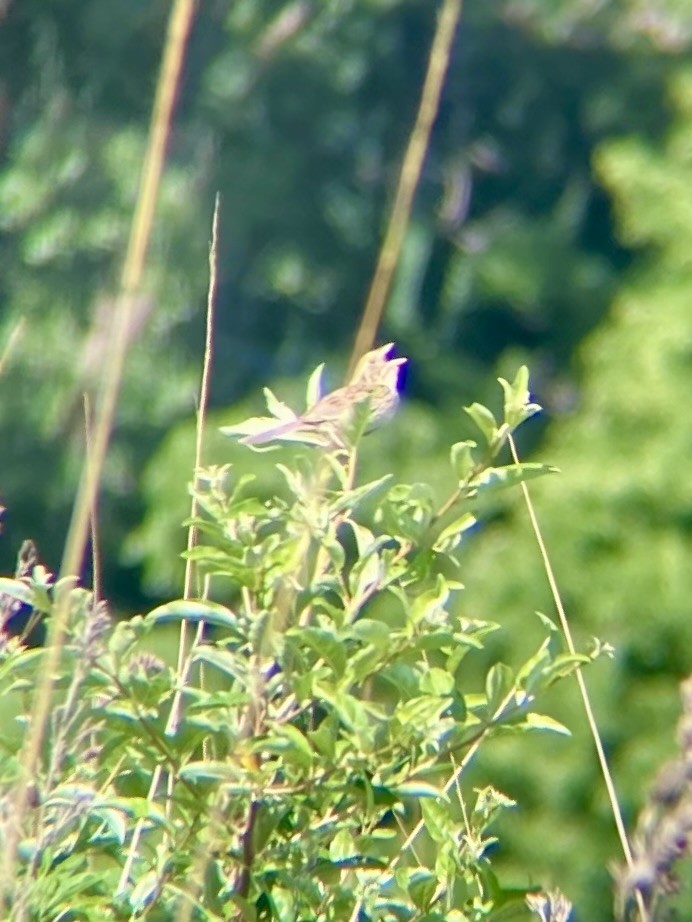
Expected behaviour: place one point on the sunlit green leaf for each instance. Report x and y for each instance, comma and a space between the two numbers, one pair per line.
499, 683
463, 462
500, 478
518, 406
437, 682
430, 605
485, 421
194, 612
544, 722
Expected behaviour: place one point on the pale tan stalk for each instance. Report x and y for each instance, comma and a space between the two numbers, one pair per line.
96, 580
184, 655
140, 235
581, 682
411, 168
400, 215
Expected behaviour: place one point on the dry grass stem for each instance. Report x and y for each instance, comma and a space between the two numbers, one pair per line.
581, 682
96, 580
138, 244
184, 660
419, 140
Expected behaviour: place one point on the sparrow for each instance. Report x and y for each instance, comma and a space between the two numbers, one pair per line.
374, 384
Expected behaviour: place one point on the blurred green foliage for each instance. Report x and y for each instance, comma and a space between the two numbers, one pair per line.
619, 522
551, 227
297, 112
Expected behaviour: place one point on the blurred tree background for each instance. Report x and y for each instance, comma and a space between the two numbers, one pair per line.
551, 227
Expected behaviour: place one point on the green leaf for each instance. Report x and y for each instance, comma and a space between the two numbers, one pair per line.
283, 904
450, 537
353, 713
489, 802
421, 887
214, 771
289, 741
115, 827
194, 612
555, 639
295, 480
436, 639
364, 537
342, 846
485, 421
407, 510
534, 669
518, 407
437, 819
422, 712
267, 819
542, 722
324, 738
402, 677
325, 644
429, 606
236, 502
437, 682
63, 589
372, 632
494, 479
418, 789
499, 684
218, 562
366, 662
144, 892
224, 660
565, 665
265, 639
365, 575
461, 456
353, 498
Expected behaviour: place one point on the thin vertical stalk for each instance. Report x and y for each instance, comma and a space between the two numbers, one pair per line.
140, 235
581, 683
409, 178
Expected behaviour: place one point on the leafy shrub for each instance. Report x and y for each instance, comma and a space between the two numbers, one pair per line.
306, 758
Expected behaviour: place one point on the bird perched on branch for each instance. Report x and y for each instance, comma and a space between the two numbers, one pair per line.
374, 387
